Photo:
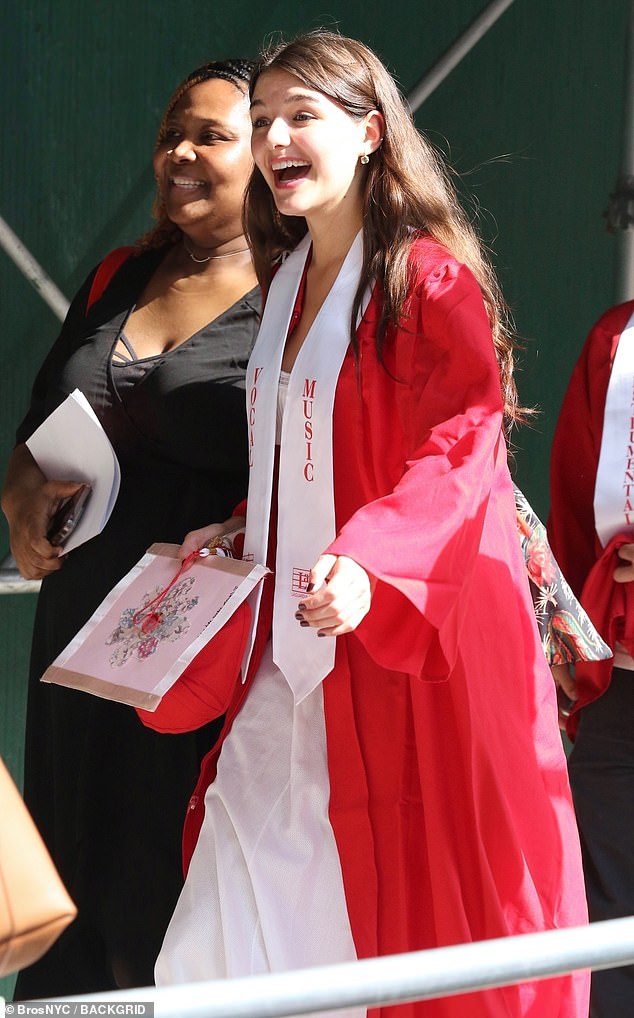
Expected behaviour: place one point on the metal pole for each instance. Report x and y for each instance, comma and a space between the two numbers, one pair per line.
421, 975
32, 270
455, 53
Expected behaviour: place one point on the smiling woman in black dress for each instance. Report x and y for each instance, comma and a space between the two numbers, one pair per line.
160, 355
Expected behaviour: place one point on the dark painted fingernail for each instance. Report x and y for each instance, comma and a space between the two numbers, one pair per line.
303, 623
311, 586
321, 634
298, 616
301, 607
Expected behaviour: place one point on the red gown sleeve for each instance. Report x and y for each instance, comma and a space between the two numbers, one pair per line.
575, 451
422, 538
205, 689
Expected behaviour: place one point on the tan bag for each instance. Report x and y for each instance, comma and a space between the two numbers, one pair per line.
34, 905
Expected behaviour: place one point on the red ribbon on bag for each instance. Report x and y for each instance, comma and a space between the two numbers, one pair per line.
149, 622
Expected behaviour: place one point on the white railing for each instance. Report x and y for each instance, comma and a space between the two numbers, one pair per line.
422, 975
12, 583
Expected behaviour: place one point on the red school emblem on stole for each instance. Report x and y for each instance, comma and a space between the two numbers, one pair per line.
300, 581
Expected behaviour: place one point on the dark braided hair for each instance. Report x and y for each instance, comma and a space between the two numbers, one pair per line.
234, 70
238, 72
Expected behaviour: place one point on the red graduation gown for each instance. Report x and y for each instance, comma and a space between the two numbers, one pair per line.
449, 798
573, 470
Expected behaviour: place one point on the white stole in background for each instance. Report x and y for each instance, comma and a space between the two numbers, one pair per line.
614, 486
306, 510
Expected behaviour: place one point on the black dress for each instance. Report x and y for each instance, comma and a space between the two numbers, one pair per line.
109, 795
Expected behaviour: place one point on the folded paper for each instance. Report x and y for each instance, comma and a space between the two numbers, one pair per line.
71, 445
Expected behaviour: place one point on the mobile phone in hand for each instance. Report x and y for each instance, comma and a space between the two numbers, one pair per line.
68, 516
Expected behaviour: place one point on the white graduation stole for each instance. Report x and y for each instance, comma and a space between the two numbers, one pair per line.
306, 510
614, 486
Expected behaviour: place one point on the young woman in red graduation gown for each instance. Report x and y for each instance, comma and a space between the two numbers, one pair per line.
390, 776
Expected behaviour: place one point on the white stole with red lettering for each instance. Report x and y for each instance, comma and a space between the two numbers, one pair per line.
614, 486
306, 510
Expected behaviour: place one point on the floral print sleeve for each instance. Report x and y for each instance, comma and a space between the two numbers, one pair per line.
567, 633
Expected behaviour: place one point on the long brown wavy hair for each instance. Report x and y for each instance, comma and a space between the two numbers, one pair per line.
238, 72
407, 189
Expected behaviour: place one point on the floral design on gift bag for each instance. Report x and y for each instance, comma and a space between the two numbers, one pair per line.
141, 629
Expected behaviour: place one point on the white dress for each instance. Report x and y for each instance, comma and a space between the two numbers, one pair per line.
264, 891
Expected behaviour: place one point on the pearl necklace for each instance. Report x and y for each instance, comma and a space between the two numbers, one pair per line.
201, 261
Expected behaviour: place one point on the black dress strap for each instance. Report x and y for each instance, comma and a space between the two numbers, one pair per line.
119, 356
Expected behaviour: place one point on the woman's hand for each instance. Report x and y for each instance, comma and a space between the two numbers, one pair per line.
35, 557
566, 692
624, 573
29, 502
338, 596
197, 539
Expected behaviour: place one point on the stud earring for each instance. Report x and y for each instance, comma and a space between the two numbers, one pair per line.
170, 151
365, 159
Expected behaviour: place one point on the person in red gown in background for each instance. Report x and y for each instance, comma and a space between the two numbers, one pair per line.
390, 775
591, 529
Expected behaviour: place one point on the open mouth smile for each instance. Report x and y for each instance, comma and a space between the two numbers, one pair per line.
186, 182
287, 171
